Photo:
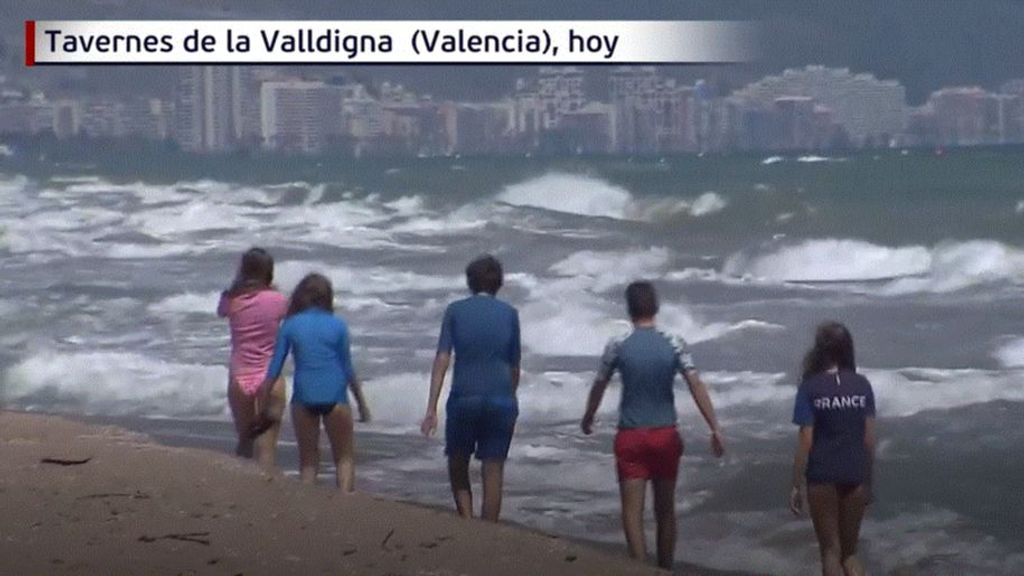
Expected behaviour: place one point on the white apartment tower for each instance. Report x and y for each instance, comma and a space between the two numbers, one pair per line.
216, 108
299, 116
869, 109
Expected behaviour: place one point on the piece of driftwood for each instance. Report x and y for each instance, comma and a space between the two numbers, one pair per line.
65, 461
194, 537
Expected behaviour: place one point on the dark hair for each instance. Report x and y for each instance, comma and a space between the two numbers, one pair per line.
833, 346
313, 291
255, 272
484, 275
641, 300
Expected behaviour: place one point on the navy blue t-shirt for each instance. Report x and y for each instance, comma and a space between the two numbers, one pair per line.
837, 406
484, 334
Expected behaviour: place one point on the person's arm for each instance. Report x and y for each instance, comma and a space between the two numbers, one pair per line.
609, 364
593, 403
442, 359
437, 373
803, 416
281, 348
354, 384
516, 354
703, 400
699, 392
869, 447
224, 305
805, 439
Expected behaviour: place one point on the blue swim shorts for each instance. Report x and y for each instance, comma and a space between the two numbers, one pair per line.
480, 424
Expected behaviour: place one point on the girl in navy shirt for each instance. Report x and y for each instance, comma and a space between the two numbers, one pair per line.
835, 410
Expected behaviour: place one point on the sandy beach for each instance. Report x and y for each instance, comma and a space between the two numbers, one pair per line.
87, 499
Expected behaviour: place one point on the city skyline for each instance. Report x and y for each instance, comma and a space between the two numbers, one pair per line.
554, 110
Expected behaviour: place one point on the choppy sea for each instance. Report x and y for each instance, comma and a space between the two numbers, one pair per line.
110, 284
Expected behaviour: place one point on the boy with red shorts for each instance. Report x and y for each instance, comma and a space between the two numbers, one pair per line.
647, 445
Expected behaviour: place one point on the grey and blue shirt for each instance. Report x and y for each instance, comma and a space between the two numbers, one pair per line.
648, 361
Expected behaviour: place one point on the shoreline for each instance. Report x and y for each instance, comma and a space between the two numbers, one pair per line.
115, 500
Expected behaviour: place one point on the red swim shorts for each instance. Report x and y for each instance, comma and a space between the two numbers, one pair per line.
648, 453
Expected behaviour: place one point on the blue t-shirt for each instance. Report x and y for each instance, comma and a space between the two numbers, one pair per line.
484, 334
323, 361
648, 360
837, 406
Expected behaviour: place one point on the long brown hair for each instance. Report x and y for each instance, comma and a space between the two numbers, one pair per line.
833, 346
313, 291
255, 273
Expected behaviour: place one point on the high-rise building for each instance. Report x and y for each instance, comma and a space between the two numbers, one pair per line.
590, 129
1013, 87
300, 116
215, 108
528, 116
145, 118
678, 113
960, 115
653, 114
1004, 116
362, 118
870, 110
21, 114
482, 128
245, 106
634, 96
415, 127
559, 90
796, 122
67, 118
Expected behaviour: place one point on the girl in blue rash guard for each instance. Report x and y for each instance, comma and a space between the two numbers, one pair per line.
835, 409
323, 376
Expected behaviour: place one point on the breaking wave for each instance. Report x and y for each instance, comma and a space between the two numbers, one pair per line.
947, 267
589, 196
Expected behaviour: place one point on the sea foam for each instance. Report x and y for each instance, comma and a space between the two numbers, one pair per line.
590, 196
947, 267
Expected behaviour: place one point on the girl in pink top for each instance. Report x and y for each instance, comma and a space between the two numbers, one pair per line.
254, 310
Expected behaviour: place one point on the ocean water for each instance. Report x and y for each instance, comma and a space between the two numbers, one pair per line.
110, 283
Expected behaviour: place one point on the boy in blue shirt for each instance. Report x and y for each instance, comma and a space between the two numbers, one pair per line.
483, 333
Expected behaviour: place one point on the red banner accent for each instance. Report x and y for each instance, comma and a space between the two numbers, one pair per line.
30, 42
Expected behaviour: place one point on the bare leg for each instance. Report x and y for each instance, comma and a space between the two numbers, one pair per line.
824, 504
851, 511
266, 443
243, 412
342, 436
632, 492
307, 434
665, 514
458, 474
494, 475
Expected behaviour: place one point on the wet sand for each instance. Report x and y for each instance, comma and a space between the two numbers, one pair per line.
90, 499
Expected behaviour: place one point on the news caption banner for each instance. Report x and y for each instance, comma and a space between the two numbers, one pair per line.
64, 42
